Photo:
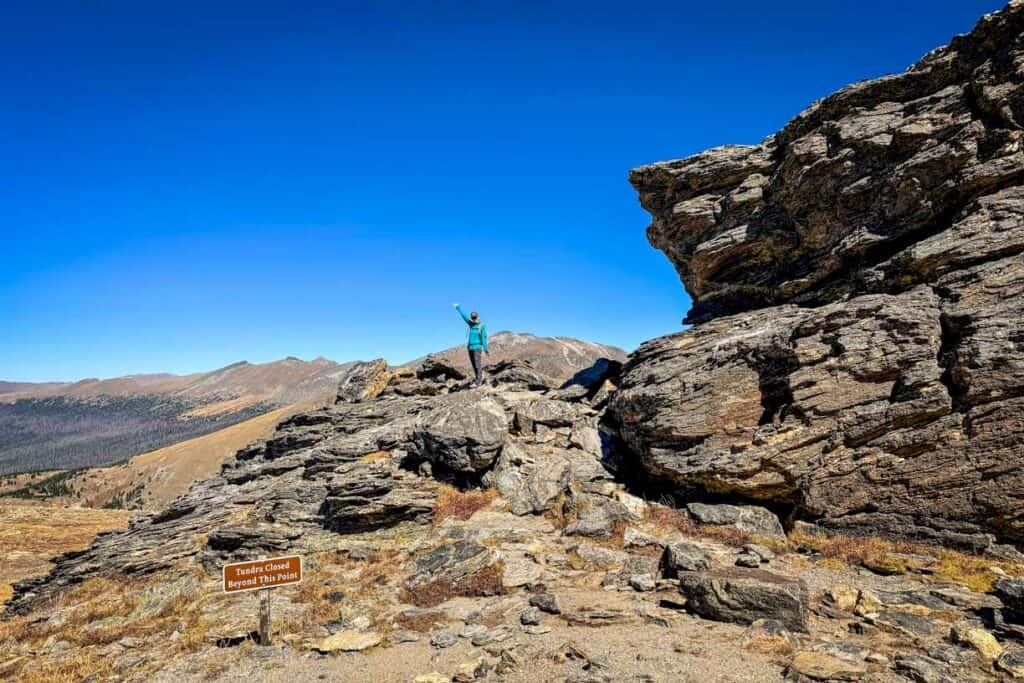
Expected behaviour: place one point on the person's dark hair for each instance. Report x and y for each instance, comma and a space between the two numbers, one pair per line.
474, 315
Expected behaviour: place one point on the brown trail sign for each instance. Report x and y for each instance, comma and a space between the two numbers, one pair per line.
262, 575
266, 573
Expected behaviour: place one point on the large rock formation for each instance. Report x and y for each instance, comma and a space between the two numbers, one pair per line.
369, 462
858, 290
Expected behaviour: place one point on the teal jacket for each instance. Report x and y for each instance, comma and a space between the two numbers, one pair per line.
476, 338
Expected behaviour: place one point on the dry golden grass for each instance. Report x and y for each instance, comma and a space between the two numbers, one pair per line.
973, 571
90, 616
451, 502
80, 607
31, 532
867, 551
376, 456
221, 407
73, 669
377, 570
314, 593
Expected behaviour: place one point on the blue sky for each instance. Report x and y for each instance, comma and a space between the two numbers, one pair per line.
185, 185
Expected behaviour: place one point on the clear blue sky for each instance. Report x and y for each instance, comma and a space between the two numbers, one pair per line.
186, 184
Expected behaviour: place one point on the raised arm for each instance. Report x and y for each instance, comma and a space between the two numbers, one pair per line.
463, 314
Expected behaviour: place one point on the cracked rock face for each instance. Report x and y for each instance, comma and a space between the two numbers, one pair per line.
858, 289
879, 181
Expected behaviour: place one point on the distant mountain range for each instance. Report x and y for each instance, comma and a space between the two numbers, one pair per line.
95, 422
281, 382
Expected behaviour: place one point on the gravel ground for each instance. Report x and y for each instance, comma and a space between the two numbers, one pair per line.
689, 651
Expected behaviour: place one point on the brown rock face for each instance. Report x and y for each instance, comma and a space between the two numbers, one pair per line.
858, 288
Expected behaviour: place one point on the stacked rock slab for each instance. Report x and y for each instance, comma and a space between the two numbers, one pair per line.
858, 300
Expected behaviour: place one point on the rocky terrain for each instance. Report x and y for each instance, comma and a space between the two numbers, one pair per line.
858, 288
819, 481
452, 533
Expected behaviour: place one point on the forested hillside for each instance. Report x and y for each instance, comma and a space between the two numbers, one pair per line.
62, 433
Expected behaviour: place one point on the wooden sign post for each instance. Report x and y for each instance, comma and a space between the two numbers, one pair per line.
262, 575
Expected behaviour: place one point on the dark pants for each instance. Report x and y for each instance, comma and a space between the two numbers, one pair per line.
478, 364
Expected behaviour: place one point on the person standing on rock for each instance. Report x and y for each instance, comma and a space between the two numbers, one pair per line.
476, 342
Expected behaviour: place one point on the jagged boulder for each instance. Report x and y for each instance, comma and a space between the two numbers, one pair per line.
869, 181
546, 412
531, 478
858, 285
595, 515
244, 542
363, 381
682, 557
749, 518
322, 472
459, 568
745, 595
519, 373
439, 370
464, 432
365, 496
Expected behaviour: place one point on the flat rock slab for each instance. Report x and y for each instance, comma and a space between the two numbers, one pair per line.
596, 616
820, 666
745, 595
922, 669
749, 518
905, 624
519, 572
348, 641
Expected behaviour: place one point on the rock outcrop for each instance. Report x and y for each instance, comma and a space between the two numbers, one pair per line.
858, 289
371, 461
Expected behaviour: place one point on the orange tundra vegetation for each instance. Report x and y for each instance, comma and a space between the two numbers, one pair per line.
451, 502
